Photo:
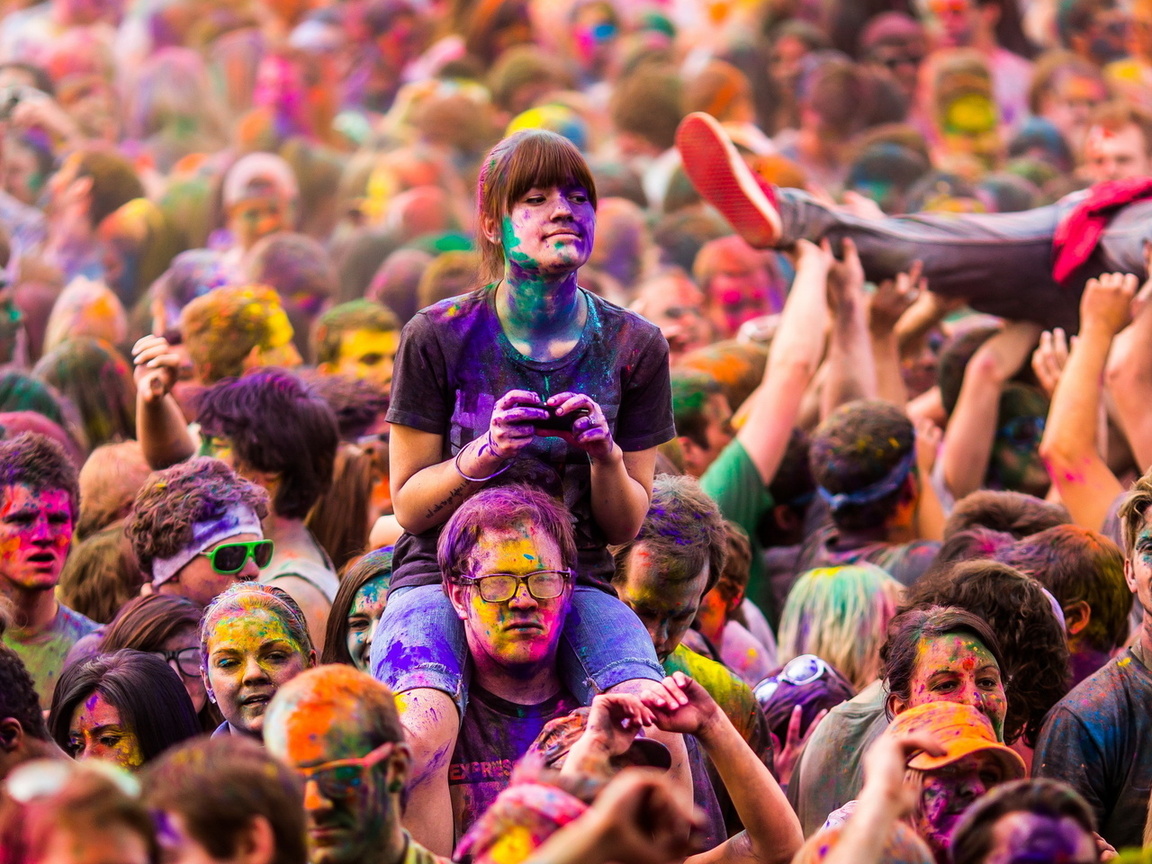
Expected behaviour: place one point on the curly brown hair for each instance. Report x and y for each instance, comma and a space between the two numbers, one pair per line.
1020, 615
175, 499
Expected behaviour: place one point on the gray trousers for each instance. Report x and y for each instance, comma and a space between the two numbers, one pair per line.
1001, 262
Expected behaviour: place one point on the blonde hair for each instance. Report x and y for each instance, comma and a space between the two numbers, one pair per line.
841, 615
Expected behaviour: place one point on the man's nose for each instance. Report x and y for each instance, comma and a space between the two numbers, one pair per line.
42, 531
314, 800
249, 571
522, 598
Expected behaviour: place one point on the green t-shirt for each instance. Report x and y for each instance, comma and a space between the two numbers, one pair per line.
43, 654
734, 484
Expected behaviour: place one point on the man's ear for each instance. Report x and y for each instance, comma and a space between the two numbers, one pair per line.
1077, 617
11, 735
786, 518
692, 452
458, 593
81, 190
399, 767
266, 480
256, 843
1129, 575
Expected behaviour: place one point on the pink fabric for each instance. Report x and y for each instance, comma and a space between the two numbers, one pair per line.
1079, 232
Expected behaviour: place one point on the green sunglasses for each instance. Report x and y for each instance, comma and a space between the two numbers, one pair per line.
229, 558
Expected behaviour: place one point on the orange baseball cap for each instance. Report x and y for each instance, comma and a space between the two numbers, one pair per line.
961, 731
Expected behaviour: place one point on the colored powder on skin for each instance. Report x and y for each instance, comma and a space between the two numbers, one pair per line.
25, 518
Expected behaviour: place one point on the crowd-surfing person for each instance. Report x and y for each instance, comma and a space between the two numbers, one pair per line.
575, 431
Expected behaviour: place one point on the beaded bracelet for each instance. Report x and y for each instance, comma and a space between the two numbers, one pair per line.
497, 473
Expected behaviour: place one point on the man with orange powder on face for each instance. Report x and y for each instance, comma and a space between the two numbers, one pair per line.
339, 730
39, 497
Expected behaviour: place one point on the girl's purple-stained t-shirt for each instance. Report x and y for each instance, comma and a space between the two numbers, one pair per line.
455, 362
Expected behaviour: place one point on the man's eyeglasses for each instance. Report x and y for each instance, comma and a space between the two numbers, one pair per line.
342, 778
502, 587
229, 558
187, 660
799, 671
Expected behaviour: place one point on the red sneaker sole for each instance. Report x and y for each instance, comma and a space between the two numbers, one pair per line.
725, 181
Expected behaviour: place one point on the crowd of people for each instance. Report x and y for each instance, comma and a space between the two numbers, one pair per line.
751, 398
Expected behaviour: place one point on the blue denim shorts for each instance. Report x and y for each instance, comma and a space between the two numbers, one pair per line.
419, 644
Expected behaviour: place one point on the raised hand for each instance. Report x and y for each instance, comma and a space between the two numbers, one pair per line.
614, 719
680, 704
639, 818
1049, 358
788, 752
885, 764
845, 280
894, 297
1107, 301
156, 368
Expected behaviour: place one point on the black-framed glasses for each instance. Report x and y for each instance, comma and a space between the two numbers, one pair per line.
342, 778
229, 558
798, 671
502, 587
187, 660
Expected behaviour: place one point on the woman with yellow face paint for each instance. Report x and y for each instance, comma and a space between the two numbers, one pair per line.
126, 708
252, 640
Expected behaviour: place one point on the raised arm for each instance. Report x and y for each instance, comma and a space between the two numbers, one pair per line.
884, 799
971, 429
1069, 448
161, 427
889, 305
772, 833
851, 365
792, 361
1129, 377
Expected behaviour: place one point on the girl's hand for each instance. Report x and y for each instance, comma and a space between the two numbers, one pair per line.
614, 720
590, 433
512, 428
681, 704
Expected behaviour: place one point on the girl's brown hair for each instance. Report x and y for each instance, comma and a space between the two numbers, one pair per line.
529, 158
